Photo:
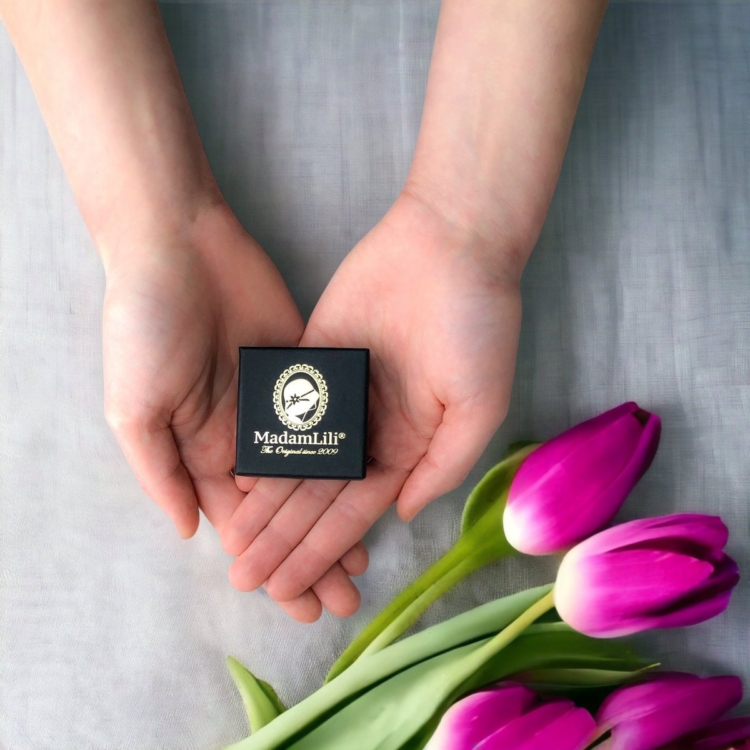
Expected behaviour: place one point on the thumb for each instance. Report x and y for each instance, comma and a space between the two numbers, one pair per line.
150, 449
456, 446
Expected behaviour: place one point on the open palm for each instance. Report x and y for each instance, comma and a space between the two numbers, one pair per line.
441, 321
175, 316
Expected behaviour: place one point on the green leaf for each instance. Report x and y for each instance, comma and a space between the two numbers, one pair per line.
392, 713
272, 696
561, 679
518, 445
467, 628
557, 646
402, 711
262, 705
399, 711
491, 493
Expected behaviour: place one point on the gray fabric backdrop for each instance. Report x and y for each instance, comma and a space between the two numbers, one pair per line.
113, 632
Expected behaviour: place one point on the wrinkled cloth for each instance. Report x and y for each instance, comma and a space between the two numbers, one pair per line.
113, 632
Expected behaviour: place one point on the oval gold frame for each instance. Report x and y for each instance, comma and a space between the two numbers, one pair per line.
278, 403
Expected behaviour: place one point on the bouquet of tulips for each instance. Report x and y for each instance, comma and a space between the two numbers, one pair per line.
547, 667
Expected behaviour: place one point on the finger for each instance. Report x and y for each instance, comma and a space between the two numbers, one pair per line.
337, 593
356, 560
246, 484
256, 510
354, 511
305, 608
457, 445
218, 497
150, 449
284, 532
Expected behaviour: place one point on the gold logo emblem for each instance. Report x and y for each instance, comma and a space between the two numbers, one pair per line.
300, 397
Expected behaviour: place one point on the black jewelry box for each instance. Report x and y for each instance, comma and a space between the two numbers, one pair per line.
302, 412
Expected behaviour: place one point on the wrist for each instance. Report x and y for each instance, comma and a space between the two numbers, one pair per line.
127, 238
492, 233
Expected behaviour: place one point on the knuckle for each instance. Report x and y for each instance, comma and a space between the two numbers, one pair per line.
266, 500
282, 543
321, 490
315, 560
353, 517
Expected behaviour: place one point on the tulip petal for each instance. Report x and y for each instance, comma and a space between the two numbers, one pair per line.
656, 572
640, 460
634, 701
722, 735
707, 532
559, 447
571, 731
477, 716
707, 601
573, 485
623, 589
639, 580
555, 501
555, 723
653, 714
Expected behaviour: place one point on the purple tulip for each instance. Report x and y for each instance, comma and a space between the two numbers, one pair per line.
652, 573
512, 717
730, 734
654, 713
573, 485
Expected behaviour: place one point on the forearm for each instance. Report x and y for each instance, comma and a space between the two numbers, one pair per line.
504, 84
108, 87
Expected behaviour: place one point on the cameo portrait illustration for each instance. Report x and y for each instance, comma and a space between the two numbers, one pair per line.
300, 397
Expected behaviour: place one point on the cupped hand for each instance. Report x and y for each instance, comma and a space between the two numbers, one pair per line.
440, 311
176, 310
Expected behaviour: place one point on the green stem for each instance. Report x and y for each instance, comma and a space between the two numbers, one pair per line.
511, 632
482, 541
413, 612
474, 549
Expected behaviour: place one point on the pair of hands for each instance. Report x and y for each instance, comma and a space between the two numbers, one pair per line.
440, 312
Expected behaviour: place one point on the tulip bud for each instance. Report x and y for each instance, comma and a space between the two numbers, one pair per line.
730, 734
513, 717
573, 485
662, 572
663, 708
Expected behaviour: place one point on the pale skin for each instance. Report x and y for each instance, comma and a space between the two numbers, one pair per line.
433, 290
